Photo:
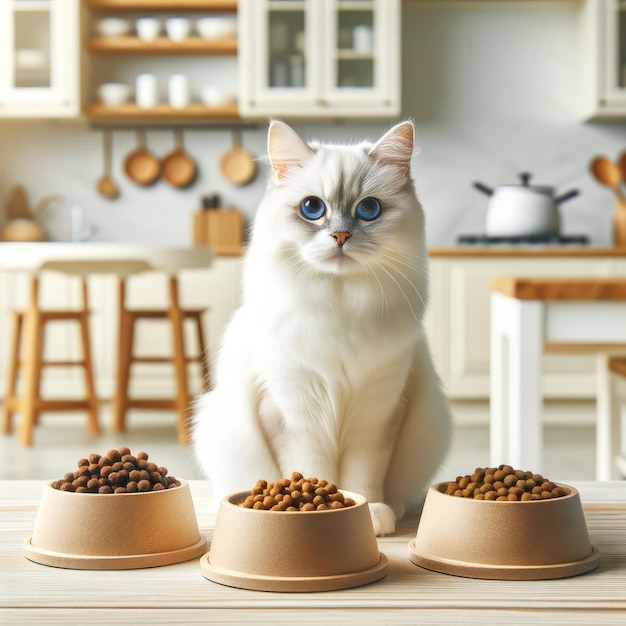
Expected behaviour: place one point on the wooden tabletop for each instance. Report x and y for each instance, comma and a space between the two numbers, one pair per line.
471, 251
552, 288
32, 593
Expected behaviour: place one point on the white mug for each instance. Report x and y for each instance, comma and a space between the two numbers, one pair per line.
362, 38
146, 91
177, 28
178, 91
148, 28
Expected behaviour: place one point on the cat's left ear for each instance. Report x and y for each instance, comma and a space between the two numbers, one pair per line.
395, 147
285, 149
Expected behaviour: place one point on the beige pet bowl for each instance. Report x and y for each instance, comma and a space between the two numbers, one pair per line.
115, 531
538, 539
293, 551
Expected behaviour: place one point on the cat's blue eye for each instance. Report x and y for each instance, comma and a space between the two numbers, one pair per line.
312, 208
368, 209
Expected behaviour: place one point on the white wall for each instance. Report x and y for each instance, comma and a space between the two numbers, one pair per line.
492, 89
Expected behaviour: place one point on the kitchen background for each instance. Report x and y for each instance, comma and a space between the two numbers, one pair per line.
493, 87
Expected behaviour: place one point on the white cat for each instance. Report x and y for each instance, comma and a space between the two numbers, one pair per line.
325, 368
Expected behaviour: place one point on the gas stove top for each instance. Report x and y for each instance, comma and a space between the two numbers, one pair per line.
532, 240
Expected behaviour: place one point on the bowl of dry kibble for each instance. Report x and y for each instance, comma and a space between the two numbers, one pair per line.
294, 534
115, 511
503, 523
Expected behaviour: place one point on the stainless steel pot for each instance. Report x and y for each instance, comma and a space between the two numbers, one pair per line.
523, 210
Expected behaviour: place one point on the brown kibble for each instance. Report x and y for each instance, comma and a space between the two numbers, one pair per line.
142, 456
295, 493
105, 489
143, 485
503, 483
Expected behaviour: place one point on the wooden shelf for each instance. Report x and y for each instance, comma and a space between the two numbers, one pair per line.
162, 5
162, 45
195, 113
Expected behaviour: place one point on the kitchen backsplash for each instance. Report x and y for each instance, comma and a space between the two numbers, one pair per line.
488, 103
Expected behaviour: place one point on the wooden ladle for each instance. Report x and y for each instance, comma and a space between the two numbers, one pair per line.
106, 185
607, 173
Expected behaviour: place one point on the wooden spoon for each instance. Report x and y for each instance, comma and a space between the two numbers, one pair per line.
238, 165
178, 168
608, 174
106, 185
141, 166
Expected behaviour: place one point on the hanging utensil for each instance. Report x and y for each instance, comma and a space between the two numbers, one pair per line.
141, 166
178, 168
607, 173
237, 164
106, 185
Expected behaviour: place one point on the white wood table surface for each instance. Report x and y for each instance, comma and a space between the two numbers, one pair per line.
178, 594
528, 317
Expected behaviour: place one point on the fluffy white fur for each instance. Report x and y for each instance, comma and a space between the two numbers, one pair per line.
325, 368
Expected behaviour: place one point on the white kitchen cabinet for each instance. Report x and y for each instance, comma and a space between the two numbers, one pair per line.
39, 58
319, 58
459, 317
602, 57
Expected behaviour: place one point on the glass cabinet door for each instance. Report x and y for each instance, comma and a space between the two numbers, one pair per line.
359, 66
285, 62
37, 68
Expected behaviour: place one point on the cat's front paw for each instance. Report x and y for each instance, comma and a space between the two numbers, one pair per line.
383, 518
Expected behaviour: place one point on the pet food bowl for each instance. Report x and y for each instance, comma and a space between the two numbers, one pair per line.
532, 540
115, 531
293, 550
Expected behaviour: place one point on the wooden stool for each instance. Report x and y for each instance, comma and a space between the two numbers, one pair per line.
128, 320
26, 357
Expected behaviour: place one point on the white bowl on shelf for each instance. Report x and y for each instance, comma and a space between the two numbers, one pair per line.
178, 28
214, 96
113, 94
216, 27
148, 28
113, 26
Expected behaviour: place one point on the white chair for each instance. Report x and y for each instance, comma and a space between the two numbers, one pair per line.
611, 400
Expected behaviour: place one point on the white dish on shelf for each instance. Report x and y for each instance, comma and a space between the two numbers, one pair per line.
148, 28
216, 27
30, 58
178, 28
114, 94
113, 26
215, 97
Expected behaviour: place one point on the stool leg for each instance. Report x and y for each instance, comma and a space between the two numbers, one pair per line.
204, 355
175, 315
87, 357
126, 332
31, 367
13, 367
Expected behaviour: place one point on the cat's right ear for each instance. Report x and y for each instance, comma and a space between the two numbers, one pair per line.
285, 149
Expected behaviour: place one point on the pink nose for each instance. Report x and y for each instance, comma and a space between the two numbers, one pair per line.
341, 237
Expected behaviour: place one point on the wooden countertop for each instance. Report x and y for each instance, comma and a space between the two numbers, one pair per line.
526, 252
538, 288
37, 594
